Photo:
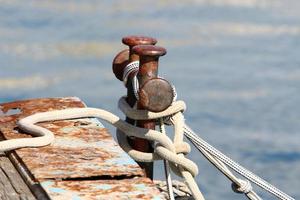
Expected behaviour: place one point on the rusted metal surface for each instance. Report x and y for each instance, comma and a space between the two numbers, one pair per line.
84, 162
82, 148
28, 107
156, 95
119, 63
126, 56
149, 56
133, 40
137, 188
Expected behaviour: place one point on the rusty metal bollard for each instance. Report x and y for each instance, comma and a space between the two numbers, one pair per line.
148, 71
119, 63
127, 56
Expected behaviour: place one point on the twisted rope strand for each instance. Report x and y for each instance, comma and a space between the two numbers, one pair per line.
204, 146
166, 165
238, 185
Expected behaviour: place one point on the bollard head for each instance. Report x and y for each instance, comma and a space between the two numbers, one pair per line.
122, 58
119, 63
149, 50
134, 40
156, 95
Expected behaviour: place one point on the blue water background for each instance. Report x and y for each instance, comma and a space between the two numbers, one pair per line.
234, 62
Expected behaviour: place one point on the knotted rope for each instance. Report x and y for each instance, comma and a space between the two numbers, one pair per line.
179, 188
165, 148
221, 161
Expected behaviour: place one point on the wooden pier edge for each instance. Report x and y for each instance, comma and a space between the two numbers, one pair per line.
12, 186
84, 162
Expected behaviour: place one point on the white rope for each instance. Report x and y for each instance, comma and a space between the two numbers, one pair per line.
167, 166
180, 189
175, 110
173, 152
216, 156
165, 148
241, 185
238, 185
132, 67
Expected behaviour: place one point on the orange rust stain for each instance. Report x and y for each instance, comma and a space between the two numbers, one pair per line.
29, 107
114, 189
83, 131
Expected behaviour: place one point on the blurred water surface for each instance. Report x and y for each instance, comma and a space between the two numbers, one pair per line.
234, 62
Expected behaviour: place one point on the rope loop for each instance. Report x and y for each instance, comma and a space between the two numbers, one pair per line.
183, 147
130, 68
162, 150
244, 187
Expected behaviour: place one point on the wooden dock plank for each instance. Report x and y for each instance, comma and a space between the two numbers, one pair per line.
12, 186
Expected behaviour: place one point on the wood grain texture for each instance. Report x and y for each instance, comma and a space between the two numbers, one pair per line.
12, 186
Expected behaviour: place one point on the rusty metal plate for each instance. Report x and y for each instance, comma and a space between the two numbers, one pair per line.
82, 148
136, 188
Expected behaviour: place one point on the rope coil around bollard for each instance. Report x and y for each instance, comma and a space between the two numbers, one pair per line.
164, 149
238, 185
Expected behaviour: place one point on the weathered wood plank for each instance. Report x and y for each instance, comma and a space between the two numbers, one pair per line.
28, 178
12, 186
